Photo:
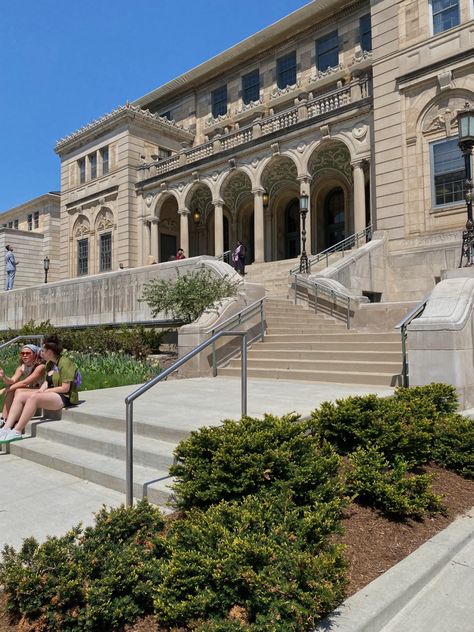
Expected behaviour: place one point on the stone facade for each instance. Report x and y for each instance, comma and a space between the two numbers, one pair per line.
349, 103
32, 229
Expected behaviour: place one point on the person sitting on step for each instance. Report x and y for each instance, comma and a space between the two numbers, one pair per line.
29, 374
59, 390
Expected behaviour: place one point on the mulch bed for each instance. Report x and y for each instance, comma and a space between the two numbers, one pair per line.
374, 543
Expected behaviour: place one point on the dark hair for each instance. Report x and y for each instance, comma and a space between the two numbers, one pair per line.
53, 343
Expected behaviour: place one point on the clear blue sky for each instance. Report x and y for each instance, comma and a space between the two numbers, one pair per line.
63, 64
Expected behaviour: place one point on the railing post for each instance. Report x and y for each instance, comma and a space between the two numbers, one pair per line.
333, 297
129, 455
348, 312
296, 288
244, 376
214, 360
315, 298
262, 321
403, 331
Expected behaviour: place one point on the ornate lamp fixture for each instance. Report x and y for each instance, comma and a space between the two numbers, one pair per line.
466, 142
304, 203
197, 216
265, 199
46, 268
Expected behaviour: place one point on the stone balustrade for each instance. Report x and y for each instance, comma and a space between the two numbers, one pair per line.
305, 109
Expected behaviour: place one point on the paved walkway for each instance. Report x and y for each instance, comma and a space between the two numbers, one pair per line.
430, 591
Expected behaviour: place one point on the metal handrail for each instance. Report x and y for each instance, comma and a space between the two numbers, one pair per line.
25, 337
226, 257
332, 293
146, 387
238, 319
402, 325
341, 246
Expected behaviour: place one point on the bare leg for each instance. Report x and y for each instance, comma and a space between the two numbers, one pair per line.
7, 402
16, 409
51, 401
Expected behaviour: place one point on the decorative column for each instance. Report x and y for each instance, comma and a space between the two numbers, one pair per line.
184, 230
305, 190
146, 250
359, 195
154, 239
218, 227
259, 225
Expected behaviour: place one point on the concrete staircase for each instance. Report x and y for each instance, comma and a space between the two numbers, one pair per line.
301, 345
92, 447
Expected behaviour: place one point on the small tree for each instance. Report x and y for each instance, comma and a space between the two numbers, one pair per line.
187, 297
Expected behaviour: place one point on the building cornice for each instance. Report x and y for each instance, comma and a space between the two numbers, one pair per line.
46, 198
124, 113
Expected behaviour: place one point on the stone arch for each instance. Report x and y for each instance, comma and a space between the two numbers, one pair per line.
329, 166
81, 234
161, 199
439, 115
104, 239
236, 192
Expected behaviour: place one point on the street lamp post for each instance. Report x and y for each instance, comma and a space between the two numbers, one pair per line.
304, 264
466, 142
46, 268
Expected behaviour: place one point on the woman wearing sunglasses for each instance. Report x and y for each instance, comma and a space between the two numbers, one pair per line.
29, 374
59, 390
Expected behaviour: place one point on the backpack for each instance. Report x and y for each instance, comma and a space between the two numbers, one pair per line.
77, 379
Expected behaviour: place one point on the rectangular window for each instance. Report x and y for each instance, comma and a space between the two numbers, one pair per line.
16, 224
82, 170
105, 262
448, 172
365, 30
327, 51
30, 221
93, 166
82, 257
163, 153
219, 101
286, 70
166, 115
445, 15
104, 159
251, 86
10, 224
36, 219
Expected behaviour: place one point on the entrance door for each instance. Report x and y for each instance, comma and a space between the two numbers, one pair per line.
334, 217
292, 229
168, 246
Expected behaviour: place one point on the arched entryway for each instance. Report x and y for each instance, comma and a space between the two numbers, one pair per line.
292, 229
334, 217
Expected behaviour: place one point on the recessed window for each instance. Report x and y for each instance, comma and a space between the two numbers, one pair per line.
36, 219
15, 223
82, 257
29, 220
166, 115
10, 224
365, 31
448, 172
219, 101
251, 86
105, 262
93, 166
104, 159
327, 51
81, 163
445, 15
286, 70
163, 153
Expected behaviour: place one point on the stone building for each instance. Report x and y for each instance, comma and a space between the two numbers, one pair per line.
32, 229
352, 103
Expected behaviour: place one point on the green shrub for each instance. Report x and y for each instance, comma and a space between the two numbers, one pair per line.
252, 561
249, 456
188, 296
454, 444
374, 481
398, 427
444, 397
95, 580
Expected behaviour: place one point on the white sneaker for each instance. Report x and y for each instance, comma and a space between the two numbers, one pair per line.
3, 433
11, 435
2, 421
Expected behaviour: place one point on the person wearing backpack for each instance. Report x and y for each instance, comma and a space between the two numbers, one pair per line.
238, 258
59, 390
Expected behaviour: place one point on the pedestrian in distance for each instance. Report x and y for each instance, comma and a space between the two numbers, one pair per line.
238, 258
10, 267
180, 254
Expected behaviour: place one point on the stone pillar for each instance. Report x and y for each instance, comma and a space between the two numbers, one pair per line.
359, 195
184, 230
259, 225
218, 227
146, 250
305, 189
154, 239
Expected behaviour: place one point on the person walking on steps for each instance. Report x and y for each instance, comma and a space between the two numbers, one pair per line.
10, 267
238, 258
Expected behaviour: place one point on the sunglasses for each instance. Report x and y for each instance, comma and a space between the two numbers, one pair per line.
26, 352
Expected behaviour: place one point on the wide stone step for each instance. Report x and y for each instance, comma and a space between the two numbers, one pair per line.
260, 352
324, 345
300, 328
96, 468
372, 366
343, 336
344, 377
147, 452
